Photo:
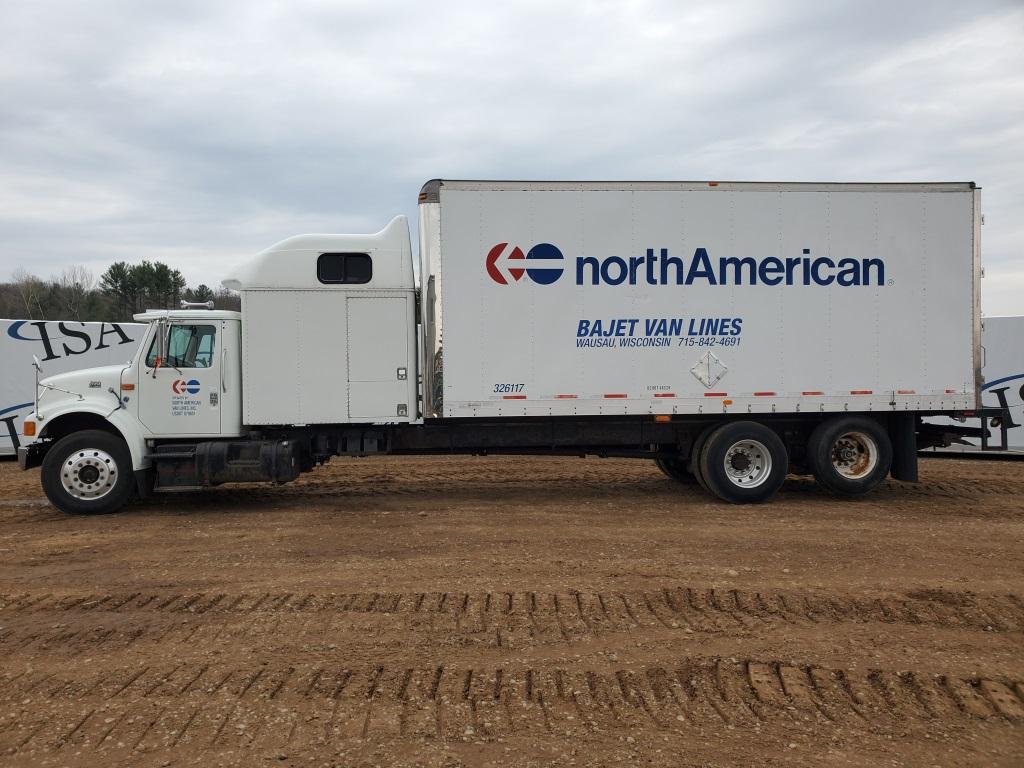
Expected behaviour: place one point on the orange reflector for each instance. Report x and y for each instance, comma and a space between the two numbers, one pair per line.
127, 387
662, 419
712, 183
950, 391
727, 402
422, 197
30, 428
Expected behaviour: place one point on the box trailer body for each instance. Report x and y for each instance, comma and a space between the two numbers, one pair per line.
732, 332
675, 297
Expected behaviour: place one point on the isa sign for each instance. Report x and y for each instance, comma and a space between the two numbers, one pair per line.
60, 346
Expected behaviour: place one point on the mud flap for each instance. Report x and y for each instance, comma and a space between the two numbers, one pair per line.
145, 479
903, 435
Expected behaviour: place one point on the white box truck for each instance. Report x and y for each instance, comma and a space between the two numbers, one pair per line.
731, 332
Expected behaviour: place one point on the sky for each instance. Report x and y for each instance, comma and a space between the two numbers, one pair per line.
198, 133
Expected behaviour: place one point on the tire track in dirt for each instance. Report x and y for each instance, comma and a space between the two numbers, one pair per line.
141, 709
75, 624
573, 611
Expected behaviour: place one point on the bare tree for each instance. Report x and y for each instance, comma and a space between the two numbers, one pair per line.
30, 290
76, 283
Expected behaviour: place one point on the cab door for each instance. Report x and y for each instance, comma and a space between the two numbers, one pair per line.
181, 395
378, 359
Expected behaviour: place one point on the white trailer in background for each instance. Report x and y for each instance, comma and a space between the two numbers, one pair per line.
1003, 347
1003, 370
60, 346
732, 332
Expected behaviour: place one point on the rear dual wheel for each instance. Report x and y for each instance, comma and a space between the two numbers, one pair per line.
742, 462
849, 455
676, 469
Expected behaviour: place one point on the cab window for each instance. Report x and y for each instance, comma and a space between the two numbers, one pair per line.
188, 346
351, 268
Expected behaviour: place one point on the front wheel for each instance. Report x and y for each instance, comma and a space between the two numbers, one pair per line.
88, 473
743, 462
849, 455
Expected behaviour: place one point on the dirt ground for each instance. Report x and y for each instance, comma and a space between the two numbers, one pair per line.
517, 612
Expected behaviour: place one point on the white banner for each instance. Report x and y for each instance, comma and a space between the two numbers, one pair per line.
64, 345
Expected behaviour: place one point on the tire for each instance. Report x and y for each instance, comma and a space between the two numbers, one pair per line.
744, 462
695, 451
849, 455
676, 469
81, 457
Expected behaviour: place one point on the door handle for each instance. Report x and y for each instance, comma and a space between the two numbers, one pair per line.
223, 371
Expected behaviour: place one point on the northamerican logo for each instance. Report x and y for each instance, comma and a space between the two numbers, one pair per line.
545, 269
544, 264
182, 387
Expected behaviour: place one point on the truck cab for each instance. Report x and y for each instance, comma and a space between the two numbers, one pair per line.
187, 375
326, 336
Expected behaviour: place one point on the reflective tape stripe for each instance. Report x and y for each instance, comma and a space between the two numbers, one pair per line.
615, 395
812, 393
716, 394
664, 394
513, 397
860, 391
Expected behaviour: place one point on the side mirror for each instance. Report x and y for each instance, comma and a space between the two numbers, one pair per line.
39, 371
161, 345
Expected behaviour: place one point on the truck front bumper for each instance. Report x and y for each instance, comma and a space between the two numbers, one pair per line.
31, 455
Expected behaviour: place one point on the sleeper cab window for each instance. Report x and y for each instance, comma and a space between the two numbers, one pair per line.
349, 268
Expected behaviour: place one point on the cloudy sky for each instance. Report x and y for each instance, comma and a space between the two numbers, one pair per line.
199, 132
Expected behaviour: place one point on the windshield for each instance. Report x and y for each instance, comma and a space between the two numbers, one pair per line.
188, 346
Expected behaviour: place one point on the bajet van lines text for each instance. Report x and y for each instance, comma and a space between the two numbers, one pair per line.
630, 332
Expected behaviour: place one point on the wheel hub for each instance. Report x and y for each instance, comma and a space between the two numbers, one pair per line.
748, 463
88, 474
740, 462
854, 455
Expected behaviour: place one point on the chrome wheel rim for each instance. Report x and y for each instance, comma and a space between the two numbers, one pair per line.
747, 463
854, 455
88, 474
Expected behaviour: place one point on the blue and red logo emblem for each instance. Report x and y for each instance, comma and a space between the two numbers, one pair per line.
182, 387
546, 266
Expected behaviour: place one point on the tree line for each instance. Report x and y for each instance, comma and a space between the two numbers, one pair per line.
122, 290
